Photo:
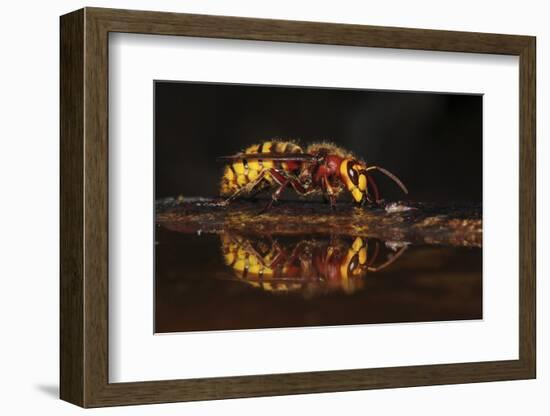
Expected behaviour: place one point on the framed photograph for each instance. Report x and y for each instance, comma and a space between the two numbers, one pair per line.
256, 207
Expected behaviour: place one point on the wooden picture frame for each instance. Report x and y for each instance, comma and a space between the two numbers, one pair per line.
84, 207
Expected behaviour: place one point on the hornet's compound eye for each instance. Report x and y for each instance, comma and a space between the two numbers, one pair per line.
353, 175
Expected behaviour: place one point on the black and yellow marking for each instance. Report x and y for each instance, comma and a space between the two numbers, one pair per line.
244, 172
246, 263
256, 268
354, 265
355, 178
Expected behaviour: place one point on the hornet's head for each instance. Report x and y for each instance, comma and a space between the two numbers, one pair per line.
356, 177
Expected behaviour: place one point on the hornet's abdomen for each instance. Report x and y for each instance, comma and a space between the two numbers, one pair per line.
266, 270
243, 171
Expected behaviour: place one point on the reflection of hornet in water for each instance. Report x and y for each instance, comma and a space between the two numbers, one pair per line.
322, 169
313, 265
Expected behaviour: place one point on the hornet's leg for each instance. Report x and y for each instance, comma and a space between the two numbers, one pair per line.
261, 188
283, 181
299, 187
248, 187
279, 177
329, 192
278, 257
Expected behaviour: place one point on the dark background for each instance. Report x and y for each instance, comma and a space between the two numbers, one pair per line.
432, 141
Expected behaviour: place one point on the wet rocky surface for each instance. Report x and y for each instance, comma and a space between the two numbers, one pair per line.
456, 225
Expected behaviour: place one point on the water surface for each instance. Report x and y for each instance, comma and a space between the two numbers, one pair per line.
230, 280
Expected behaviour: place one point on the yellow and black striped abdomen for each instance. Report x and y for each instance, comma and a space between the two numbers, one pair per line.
258, 270
242, 172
